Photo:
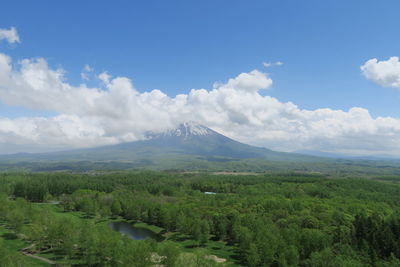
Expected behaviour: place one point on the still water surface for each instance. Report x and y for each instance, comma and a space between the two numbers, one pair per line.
133, 232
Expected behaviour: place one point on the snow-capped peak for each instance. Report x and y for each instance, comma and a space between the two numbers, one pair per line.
191, 128
184, 130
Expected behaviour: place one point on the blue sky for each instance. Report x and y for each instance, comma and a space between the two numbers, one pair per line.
175, 46
191, 44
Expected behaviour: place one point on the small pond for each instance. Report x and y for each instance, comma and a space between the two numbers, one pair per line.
136, 233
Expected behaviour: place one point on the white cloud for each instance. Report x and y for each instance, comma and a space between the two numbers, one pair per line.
270, 64
87, 68
104, 77
250, 82
85, 74
118, 113
385, 73
10, 35
267, 64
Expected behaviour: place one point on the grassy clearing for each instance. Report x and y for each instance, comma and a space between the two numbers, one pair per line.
60, 258
13, 243
187, 245
150, 227
218, 248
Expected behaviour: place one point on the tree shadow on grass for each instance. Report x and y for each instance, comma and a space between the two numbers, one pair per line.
192, 246
236, 255
178, 237
9, 236
55, 254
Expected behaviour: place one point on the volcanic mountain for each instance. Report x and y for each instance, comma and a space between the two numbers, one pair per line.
188, 144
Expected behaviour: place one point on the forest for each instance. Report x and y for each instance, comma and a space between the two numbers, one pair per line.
202, 219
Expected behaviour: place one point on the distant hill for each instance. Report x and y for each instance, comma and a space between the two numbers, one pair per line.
375, 157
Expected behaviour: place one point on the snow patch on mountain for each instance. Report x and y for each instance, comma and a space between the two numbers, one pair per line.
183, 130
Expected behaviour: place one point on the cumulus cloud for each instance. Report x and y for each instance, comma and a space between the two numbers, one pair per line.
11, 35
251, 82
385, 73
117, 112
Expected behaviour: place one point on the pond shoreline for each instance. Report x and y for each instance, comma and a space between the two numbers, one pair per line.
136, 231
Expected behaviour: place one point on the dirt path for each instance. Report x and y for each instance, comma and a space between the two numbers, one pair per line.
39, 258
24, 252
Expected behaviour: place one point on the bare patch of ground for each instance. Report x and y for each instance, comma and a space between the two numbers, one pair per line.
215, 258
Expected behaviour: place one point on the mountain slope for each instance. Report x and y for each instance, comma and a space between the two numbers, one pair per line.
188, 146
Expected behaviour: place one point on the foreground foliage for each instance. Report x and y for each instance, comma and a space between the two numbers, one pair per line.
268, 220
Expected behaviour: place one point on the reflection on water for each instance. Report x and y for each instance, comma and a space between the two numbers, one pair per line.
133, 232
